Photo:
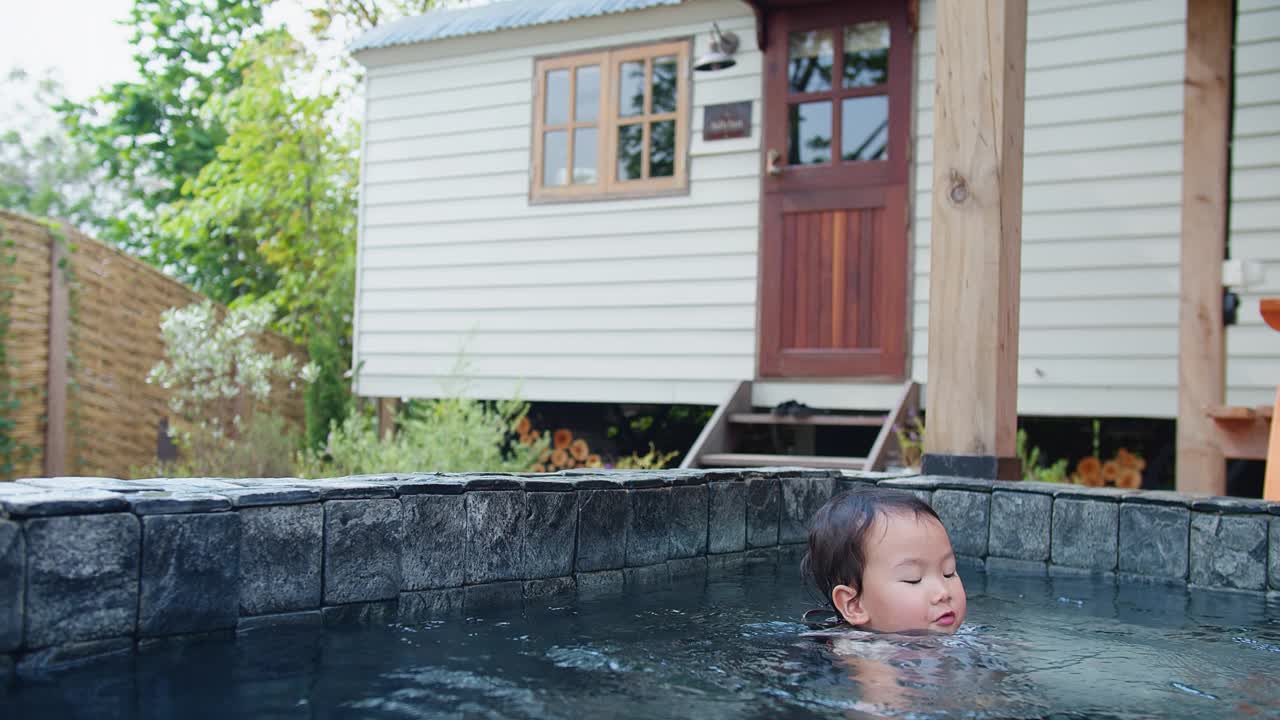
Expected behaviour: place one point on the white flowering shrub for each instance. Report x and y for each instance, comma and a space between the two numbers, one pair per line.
218, 380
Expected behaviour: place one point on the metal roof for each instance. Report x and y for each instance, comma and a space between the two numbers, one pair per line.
440, 24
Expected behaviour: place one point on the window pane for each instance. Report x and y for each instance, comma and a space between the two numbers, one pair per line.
584, 156
557, 110
630, 151
811, 56
664, 85
866, 54
631, 88
588, 100
809, 128
864, 128
662, 148
555, 158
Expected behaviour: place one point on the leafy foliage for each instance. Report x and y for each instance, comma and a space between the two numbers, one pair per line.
452, 434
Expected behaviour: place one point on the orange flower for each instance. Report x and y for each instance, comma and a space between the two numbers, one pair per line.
594, 461
1090, 471
523, 426
561, 439
579, 449
1130, 479
559, 458
1110, 471
538, 468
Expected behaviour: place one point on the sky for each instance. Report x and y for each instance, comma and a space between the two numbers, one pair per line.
82, 42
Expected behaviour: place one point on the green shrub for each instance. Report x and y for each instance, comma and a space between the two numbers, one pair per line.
264, 447
453, 434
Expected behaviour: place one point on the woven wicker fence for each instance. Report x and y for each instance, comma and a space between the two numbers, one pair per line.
110, 417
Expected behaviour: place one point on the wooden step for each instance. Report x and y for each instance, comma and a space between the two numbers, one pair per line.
815, 419
752, 460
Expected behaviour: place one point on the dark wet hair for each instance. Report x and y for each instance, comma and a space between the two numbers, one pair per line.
838, 533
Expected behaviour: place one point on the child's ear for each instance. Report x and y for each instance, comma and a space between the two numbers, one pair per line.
849, 602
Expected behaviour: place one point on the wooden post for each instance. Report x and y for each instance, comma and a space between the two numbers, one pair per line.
1206, 127
976, 243
55, 441
387, 408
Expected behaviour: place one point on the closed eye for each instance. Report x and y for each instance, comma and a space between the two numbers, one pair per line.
912, 582
949, 575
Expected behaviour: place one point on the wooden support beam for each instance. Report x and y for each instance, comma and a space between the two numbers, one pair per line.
387, 409
1202, 352
55, 439
977, 235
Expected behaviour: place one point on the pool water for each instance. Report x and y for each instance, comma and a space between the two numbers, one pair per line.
726, 647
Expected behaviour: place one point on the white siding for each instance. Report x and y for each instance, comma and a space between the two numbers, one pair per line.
647, 300
1254, 348
1102, 174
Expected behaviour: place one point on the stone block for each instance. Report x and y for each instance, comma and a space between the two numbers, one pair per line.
688, 535
1020, 525
349, 489
381, 612
361, 550
281, 553
548, 589
190, 573
602, 530
727, 516
13, 561
726, 562
599, 584
161, 502
1229, 551
764, 511
1012, 566
550, 526
260, 497
1273, 554
1153, 540
70, 655
304, 619
649, 577
687, 567
648, 526
494, 535
435, 541
1085, 533
82, 578
493, 596
801, 498
52, 503
966, 515
424, 605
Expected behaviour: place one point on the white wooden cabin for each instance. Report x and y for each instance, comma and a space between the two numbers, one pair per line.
700, 272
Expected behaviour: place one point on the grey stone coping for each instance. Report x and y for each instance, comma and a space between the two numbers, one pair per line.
93, 565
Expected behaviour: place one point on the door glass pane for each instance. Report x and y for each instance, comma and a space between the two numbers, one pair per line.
588, 99
866, 54
630, 151
809, 128
864, 128
631, 89
664, 85
585, 142
555, 158
810, 58
662, 148
557, 110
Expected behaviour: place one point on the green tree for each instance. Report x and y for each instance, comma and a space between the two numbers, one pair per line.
154, 135
43, 171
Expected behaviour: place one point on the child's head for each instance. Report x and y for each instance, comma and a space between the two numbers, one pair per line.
884, 562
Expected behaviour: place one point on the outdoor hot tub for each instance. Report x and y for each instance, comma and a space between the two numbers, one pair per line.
667, 594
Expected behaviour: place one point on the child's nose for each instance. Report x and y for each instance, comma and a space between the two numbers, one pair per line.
941, 592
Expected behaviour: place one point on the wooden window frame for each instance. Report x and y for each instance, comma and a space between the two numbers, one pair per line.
608, 121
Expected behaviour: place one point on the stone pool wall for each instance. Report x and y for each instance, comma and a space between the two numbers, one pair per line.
95, 566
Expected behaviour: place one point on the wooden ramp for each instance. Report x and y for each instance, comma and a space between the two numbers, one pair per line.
720, 443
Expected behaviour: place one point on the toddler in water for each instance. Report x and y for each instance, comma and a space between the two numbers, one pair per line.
883, 561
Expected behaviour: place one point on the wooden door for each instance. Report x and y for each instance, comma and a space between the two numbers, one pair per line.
833, 271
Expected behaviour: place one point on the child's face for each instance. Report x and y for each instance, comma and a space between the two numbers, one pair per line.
910, 581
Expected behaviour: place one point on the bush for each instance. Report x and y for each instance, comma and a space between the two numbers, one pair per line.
264, 447
453, 434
